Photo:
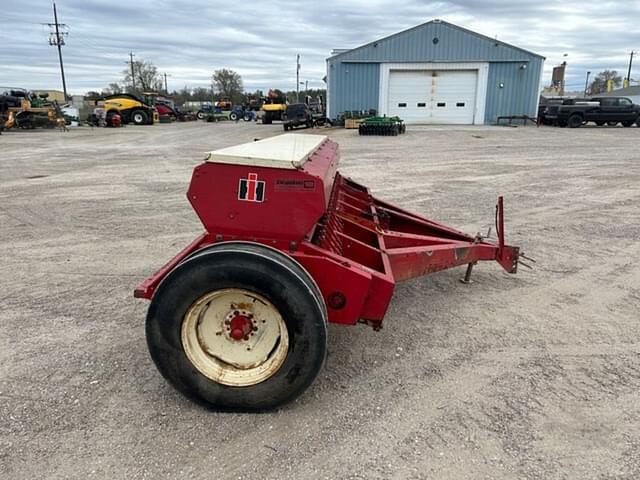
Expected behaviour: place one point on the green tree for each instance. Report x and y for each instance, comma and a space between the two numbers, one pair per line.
599, 84
228, 84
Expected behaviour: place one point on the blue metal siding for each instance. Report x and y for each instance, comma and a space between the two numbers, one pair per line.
454, 45
353, 86
354, 76
520, 91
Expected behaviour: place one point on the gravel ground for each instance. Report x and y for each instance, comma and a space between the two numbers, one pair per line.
533, 376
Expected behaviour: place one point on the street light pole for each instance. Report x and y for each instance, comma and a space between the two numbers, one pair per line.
586, 84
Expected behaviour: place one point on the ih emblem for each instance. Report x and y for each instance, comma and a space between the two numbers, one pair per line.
251, 189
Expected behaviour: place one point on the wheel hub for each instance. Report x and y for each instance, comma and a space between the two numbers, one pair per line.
235, 337
240, 326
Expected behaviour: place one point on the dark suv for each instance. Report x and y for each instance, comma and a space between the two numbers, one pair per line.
298, 115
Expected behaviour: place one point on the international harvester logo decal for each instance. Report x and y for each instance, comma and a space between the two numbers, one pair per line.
251, 189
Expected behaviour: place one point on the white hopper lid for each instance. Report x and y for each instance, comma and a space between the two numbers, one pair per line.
289, 150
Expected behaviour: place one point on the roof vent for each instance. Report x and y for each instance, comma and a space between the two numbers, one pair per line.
437, 20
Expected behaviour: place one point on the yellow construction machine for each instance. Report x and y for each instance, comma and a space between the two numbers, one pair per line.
274, 107
131, 109
19, 108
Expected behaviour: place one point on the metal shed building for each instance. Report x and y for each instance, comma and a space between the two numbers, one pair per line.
436, 72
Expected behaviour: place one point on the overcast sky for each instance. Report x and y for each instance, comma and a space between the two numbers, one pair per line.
190, 39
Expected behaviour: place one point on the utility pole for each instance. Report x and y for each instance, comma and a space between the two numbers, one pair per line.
628, 81
133, 74
166, 90
298, 78
56, 38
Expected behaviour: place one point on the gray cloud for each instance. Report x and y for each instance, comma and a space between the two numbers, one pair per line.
190, 39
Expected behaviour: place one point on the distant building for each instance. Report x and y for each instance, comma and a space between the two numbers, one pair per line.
632, 93
436, 72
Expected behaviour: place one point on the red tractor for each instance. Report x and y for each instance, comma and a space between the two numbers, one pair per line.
238, 319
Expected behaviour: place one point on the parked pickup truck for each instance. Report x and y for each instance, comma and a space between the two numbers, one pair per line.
600, 110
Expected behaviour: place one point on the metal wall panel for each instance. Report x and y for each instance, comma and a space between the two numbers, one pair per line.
454, 44
512, 90
352, 86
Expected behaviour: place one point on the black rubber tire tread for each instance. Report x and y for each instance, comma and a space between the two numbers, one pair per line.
269, 273
575, 121
627, 123
259, 248
145, 117
600, 123
612, 124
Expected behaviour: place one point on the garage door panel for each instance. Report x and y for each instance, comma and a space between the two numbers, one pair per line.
407, 89
428, 96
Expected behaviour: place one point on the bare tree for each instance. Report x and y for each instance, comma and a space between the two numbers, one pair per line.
228, 84
202, 94
113, 89
599, 84
147, 77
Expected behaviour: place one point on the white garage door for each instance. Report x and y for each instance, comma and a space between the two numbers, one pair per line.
433, 96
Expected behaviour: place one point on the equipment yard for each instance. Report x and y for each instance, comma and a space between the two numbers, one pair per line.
529, 376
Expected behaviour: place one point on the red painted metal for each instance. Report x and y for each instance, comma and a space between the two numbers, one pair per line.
240, 326
355, 246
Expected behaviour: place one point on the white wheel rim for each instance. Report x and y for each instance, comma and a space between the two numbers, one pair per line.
211, 337
138, 118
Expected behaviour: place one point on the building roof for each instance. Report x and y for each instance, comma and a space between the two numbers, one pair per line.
632, 91
341, 52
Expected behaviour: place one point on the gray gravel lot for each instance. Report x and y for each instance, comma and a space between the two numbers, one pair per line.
533, 376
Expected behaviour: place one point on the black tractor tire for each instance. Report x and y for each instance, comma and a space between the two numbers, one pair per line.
265, 272
201, 115
139, 117
627, 123
233, 116
600, 123
575, 121
612, 124
266, 119
286, 127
